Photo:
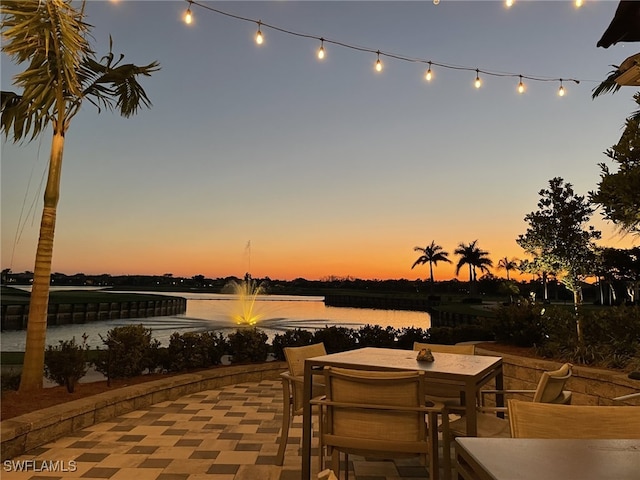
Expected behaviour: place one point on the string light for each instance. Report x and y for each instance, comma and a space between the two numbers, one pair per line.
521, 86
579, 3
188, 17
436, 2
429, 75
321, 50
379, 65
561, 90
508, 3
259, 37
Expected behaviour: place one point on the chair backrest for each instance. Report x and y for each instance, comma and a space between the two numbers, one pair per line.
295, 359
548, 420
439, 390
464, 349
370, 411
297, 355
551, 385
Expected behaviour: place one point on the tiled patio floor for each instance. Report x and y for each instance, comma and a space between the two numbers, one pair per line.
225, 434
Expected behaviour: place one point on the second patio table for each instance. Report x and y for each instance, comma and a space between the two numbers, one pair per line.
468, 372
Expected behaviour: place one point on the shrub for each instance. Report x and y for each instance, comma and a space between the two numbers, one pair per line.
291, 338
10, 380
66, 363
460, 333
408, 335
195, 350
336, 339
376, 336
130, 351
519, 325
248, 345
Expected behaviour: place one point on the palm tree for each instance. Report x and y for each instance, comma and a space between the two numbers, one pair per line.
506, 264
431, 254
51, 36
474, 257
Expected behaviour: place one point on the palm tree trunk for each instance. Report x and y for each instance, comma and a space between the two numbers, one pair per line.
33, 366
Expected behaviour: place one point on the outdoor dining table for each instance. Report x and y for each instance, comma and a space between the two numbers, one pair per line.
548, 459
469, 372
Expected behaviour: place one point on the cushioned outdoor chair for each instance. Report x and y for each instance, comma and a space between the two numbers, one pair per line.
547, 420
292, 386
377, 414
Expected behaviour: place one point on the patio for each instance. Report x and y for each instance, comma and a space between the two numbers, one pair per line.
220, 434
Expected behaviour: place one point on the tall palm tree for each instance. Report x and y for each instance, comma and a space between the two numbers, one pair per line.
507, 265
431, 254
475, 258
51, 36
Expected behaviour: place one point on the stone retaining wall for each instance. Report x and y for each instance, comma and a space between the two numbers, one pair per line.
590, 386
26, 432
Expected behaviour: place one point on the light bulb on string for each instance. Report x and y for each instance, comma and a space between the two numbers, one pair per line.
478, 82
521, 88
188, 17
259, 37
561, 91
509, 3
321, 50
429, 75
436, 2
378, 63
579, 3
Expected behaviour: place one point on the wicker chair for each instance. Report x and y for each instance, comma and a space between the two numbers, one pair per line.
376, 414
292, 385
547, 420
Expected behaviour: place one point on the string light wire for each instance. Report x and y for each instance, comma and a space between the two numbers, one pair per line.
381, 53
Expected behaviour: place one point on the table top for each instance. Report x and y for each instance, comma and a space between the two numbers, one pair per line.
445, 364
554, 459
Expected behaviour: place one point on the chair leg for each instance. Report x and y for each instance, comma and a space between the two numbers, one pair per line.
286, 421
335, 461
446, 445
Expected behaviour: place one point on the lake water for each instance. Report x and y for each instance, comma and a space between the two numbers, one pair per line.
206, 311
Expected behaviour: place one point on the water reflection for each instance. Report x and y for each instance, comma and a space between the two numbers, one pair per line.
215, 312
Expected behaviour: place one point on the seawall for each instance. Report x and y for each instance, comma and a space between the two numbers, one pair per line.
14, 317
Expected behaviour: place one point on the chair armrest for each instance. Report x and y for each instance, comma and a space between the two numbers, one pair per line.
624, 398
373, 406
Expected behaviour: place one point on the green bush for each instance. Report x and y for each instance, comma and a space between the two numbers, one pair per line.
248, 345
336, 339
10, 380
408, 335
291, 338
519, 325
66, 363
130, 351
376, 336
195, 350
460, 333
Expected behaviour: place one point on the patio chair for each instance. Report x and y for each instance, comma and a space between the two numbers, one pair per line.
547, 420
376, 414
292, 386
449, 395
631, 399
550, 389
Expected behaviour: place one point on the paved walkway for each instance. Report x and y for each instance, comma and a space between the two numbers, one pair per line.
225, 434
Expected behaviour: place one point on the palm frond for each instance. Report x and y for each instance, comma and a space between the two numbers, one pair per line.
608, 85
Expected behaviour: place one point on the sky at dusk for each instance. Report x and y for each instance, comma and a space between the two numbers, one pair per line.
266, 159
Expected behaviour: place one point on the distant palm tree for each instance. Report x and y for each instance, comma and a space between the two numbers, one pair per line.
506, 264
474, 257
52, 38
431, 254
